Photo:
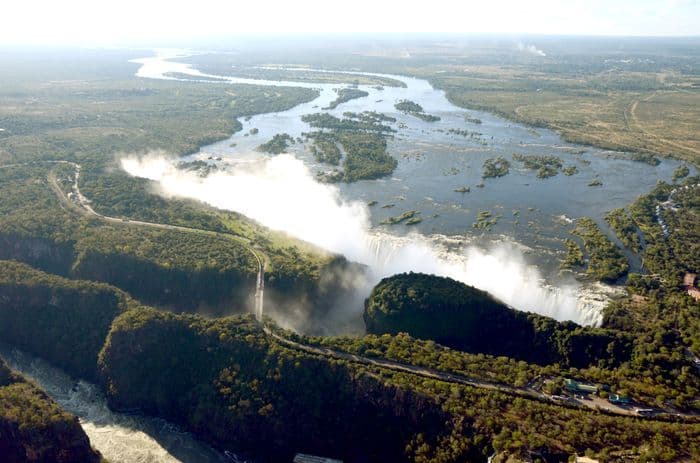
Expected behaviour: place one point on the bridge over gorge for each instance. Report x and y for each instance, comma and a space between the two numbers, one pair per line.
79, 203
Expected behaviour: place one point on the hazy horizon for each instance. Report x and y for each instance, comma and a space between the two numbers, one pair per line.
79, 22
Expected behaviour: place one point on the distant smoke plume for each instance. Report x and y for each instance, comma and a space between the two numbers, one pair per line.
533, 50
282, 193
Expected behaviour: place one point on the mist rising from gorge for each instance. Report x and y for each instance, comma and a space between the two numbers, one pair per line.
283, 194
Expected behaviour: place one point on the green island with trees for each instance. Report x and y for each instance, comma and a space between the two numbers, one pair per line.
345, 95
625, 229
605, 261
496, 167
363, 138
545, 165
414, 109
157, 317
277, 145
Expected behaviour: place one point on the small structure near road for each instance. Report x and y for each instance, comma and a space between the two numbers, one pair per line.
618, 399
580, 388
645, 411
689, 285
304, 458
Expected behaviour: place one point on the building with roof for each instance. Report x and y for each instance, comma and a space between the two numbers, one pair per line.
580, 388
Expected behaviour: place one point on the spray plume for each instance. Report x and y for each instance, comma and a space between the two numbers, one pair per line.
533, 50
282, 193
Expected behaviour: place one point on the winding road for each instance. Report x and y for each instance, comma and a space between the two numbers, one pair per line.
78, 202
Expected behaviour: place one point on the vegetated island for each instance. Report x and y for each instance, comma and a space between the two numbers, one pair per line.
345, 95
545, 165
277, 145
485, 220
625, 229
495, 167
605, 260
396, 416
410, 217
416, 110
363, 138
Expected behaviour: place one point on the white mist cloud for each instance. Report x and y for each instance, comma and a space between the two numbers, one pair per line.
533, 50
282, 193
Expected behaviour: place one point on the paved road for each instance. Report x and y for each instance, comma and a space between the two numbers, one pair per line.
82, 205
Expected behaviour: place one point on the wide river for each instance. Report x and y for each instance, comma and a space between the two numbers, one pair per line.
535, 215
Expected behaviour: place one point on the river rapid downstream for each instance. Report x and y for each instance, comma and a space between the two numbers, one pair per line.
516, 260
119, 437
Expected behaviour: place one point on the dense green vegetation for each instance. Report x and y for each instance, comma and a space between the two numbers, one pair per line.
646, 158
459, 316
485, 220
191, 271
228, 382
605, 260
416, 110
672, 253
345, 95
574, 255
33, 428
370, 116
681, 173
325, 148
65, 321
92, 121
496, 167
625, 228
366, 156
363, 138
278, 144
545, 165
352, 122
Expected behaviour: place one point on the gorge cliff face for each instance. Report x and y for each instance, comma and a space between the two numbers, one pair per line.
33, 428
231, 384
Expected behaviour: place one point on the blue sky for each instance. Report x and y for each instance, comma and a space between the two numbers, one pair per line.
112, 22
